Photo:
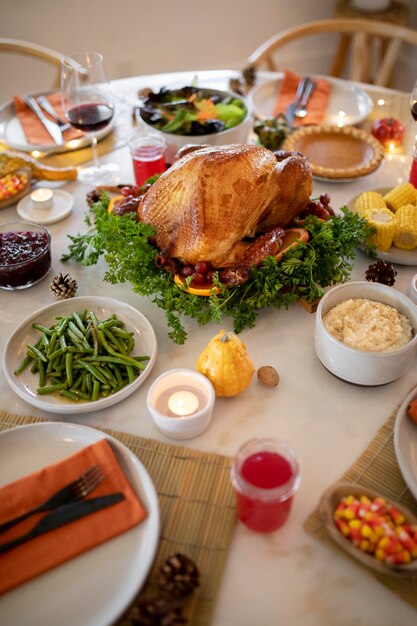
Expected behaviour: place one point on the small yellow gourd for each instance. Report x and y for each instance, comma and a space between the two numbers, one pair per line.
225, 362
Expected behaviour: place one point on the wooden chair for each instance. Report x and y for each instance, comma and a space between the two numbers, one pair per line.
34, 50
359, 33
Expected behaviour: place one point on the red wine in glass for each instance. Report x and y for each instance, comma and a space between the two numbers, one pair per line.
88, 105
414, 111
90, 116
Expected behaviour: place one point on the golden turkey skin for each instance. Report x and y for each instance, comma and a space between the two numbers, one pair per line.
213, 198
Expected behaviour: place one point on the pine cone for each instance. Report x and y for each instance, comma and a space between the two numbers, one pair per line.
235, 84
158, 610
249, 75
178, 575
63, 287
381, 272
93, 197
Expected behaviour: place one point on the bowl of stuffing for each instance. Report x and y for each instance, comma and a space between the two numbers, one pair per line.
366, 333
194, 115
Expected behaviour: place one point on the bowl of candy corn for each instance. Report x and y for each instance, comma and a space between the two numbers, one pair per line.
371, 528
14, 186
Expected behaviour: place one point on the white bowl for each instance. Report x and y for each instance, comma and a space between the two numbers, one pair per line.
357, 366
412, 289
237, 134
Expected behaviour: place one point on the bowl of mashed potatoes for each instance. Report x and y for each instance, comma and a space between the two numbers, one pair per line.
366, 333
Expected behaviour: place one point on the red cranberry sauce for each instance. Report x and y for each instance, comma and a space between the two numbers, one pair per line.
25, 257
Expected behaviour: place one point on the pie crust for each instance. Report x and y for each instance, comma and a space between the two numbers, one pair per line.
337, 153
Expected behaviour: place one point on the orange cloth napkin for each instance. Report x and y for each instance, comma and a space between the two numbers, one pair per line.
55, 547
34, 130
317, 104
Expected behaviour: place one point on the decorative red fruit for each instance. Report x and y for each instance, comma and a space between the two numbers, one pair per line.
389, 131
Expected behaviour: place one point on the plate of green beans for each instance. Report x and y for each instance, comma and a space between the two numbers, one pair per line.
80, 355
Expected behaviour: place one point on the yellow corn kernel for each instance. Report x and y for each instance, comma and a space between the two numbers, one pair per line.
402, 194
385, 223
368, 200
406, 232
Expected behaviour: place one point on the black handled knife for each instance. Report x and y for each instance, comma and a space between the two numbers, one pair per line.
64, 515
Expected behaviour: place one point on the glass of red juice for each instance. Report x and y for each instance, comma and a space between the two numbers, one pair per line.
148, 156
265, 474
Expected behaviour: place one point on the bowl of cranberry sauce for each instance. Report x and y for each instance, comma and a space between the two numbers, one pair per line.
25, 254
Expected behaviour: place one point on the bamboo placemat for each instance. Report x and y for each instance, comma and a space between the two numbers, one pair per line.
376, 469
197, 508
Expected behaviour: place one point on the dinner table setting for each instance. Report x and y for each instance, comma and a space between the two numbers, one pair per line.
183, 422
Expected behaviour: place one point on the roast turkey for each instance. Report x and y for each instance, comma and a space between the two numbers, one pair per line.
207, 205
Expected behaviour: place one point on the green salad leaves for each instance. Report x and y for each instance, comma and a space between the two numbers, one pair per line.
304, 271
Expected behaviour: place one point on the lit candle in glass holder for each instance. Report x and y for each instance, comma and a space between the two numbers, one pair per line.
181, 403
42, 198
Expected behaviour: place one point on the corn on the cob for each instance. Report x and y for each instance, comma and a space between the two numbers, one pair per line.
368, 200
385, 223
406, 232
11, 161
402, 194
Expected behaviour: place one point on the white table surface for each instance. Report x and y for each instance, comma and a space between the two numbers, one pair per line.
286, 577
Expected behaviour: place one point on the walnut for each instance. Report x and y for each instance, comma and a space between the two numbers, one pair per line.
268, 376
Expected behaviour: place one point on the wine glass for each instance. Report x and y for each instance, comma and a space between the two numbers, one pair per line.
88, 105
413, 108
413, 102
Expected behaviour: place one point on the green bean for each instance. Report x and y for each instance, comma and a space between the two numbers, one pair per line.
68, 368
23, 365
62, 326
69, 394
46, 331
90, 368
79, 322
52, 343
130, 374
96, 390
33, 351
89, 383
51, 388
42, 375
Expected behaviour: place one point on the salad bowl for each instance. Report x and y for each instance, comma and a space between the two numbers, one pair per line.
171, 114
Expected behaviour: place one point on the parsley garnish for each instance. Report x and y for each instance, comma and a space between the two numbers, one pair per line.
305, 270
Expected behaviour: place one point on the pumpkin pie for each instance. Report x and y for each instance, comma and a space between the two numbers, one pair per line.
337, 153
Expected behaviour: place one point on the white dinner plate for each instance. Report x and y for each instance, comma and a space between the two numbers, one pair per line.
405, 443
26, 384
394, 255
12, 133
345, 96
94, 588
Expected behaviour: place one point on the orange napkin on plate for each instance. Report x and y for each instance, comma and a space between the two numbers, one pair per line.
55, 547
317, 104
34, 130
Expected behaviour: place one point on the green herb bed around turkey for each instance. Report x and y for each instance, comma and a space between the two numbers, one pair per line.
303, 273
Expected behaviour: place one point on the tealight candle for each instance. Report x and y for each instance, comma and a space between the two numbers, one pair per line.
42, 198
183, 403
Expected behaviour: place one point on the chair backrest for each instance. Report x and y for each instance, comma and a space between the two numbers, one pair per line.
360, 31
33, 50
